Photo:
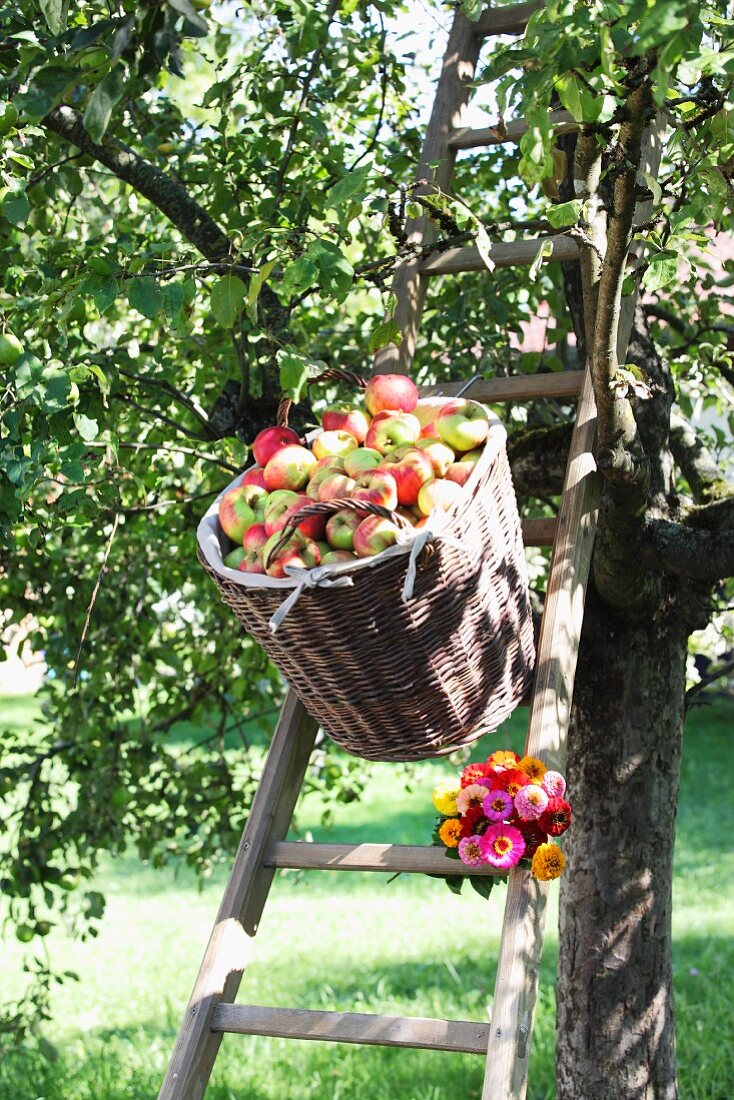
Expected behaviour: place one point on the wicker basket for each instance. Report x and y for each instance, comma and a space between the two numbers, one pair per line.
396, 678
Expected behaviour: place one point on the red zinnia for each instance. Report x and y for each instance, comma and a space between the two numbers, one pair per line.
472, 772
512, 780
470, 820
556, 817
534, 837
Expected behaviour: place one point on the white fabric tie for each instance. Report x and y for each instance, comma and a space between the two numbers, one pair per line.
307, 578
425, 535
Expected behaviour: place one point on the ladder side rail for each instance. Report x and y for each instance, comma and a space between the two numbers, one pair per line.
230, 944
550, 710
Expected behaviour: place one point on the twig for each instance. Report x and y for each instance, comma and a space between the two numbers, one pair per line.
157, 415
93, 599
191, 405
203, 455
706, 681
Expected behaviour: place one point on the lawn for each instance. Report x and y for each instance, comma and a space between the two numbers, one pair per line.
359, 943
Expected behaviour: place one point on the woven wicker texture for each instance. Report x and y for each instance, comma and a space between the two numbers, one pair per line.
403, 680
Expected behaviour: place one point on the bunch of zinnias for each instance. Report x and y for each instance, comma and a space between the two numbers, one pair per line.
502, 812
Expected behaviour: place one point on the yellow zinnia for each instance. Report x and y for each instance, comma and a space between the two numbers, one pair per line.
533, 767
548, 862
450, 832
444, 797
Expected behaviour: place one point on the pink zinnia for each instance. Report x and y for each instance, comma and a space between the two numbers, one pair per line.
470, 851
530, 802
497, 805
553, 784
502, 846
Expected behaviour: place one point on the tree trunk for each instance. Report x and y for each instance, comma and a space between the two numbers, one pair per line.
616, 1036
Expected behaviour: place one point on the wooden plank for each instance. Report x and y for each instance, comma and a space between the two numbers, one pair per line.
539, 532
562, 122
230, 944
519, 253
512, 19
436, 164
353, 1027
550, 709
519, 387
424, 859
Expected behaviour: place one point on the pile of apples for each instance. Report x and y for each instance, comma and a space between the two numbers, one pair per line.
409, 455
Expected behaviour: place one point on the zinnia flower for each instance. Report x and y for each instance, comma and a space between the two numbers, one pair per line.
530, 801
554, 784
556, 817
497, 805
473, 772
534, 837
470, 821
548, 862
470, 851
503, 758
532, 767
502, 846
450, 832
512, 780
470, 796
444, 797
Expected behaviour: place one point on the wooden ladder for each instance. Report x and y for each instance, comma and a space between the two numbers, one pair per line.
505, 1041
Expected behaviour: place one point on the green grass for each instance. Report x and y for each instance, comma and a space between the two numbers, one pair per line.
357, 943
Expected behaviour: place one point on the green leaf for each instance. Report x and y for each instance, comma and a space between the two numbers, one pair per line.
43, 93
256, 283
564, 213
484, 247
145, 296
483, 885
228, 296
659, 23
335, 270
294, 373
348, 187
299, 275
103, 289
108, 92
545, 249
16, 207
54, 12
196, 23
386, 333
455, 883
88, 429
472, 9
655, 188
661, 270
584, 104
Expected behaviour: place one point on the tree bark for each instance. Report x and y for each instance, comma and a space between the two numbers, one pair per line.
615, 1003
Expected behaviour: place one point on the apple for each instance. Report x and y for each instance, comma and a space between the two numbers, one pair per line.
359, 461
463, 424
329, 462
254, 476
377, 488
334, 557
440, 455
438, 493
336, 486
461, 471
254, 495
345, 418
255, 537
277, 508
390, 391
411, 469
234, 557
270, 440
289, 468
324, 547
390, 429
11, 349
341, 527
333, 443
252, 562
426, 412
313, 527
299, 550
373, 535
235, 514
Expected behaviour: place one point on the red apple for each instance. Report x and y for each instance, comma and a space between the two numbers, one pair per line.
289, 468
328, 462
341, 527
335, 486
270, 440
411, 469
234, 557
254, 476
360, 461
426, 412
333, 443
252, 562
277, 508
377, 489
255, 537
390, 429
461, 471
255, 496
440, 455
313, 527
438, 494
298, 550
334, 557
463, 424
235, 514
373, 535
345, 418
390, 391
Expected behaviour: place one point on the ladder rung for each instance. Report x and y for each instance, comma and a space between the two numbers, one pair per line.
352, 1027
539, 532
562, 121
425, 859
519, 387
509, 20
503, 254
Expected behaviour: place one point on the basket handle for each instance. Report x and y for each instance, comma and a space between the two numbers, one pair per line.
330, 507
331, 374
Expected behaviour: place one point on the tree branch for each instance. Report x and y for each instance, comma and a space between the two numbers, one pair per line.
696, 462
701, 548
538, 460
